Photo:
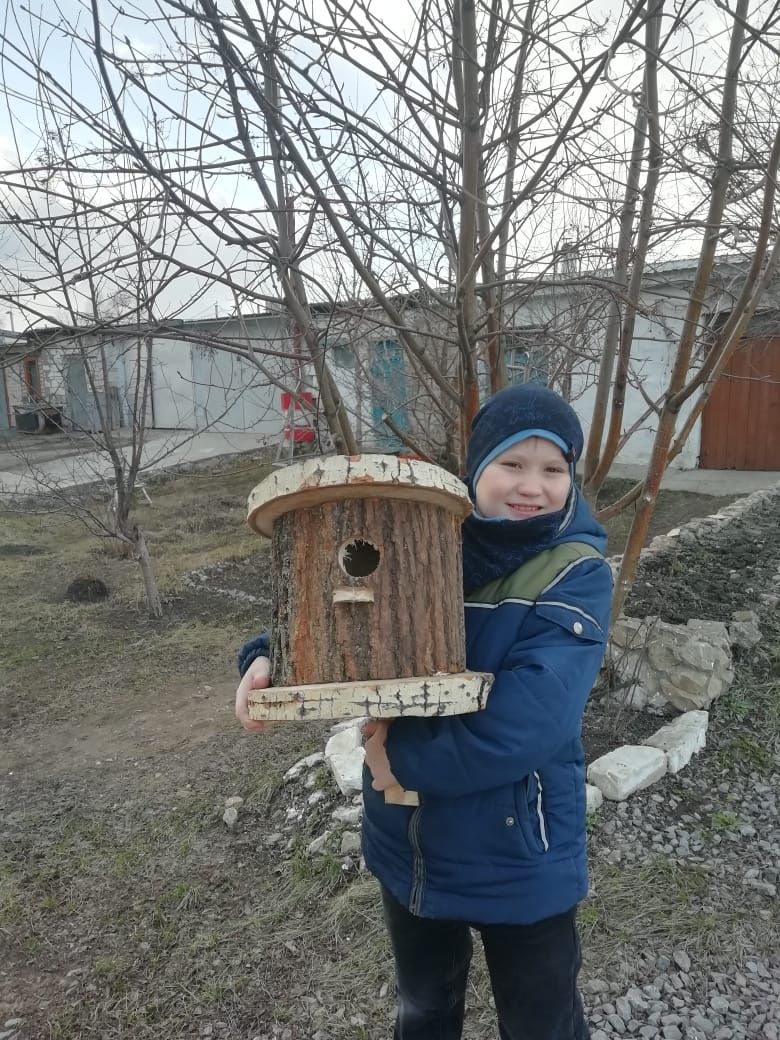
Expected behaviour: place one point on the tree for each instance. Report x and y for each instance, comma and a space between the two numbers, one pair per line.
91, 261
463, 156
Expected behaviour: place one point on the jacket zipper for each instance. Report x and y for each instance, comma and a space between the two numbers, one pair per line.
418, 863
540, 813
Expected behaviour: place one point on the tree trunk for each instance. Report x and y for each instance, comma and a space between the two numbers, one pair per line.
141, 553
366, 589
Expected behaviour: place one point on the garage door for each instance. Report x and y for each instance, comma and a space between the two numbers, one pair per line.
231, 394
173, 395
741, 422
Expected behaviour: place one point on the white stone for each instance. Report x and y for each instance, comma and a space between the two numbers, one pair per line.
687, 666
317, 847
347, 769
681, 739
626, 770
305, 763
346, 740
348, 723
350, 842
743, 629
230, 818
348, 814
234, 803
594, 798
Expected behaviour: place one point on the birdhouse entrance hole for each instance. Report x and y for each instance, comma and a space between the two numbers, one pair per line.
358, 558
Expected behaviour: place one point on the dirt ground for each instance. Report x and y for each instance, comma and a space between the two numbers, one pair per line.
127, 909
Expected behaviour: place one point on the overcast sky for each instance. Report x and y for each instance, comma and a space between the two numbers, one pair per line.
75, 68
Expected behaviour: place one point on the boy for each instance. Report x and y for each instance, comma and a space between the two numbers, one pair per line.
498, 842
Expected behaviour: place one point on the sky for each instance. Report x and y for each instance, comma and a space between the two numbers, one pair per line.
198, 292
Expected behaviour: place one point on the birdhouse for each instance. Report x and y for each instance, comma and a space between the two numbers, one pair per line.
367, 590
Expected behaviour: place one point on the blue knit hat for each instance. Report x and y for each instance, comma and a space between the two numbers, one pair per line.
515, 414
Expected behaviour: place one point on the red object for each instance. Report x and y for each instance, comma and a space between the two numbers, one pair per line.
303, 401
301, 435
305, 395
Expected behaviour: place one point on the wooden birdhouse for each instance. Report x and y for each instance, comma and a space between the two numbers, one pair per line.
367, 590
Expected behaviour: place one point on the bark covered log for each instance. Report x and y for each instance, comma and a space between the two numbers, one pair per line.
413, 626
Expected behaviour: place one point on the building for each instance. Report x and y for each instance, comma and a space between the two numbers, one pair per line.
233, 373
558, 333
201, 375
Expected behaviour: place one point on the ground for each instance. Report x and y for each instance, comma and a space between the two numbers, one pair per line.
129, 910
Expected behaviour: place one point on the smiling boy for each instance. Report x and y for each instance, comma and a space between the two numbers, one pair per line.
529, 478
497, 844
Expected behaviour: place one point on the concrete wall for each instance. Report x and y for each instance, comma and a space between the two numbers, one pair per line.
194, 385
656, 334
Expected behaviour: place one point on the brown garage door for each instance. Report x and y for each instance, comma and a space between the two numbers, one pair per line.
741, 422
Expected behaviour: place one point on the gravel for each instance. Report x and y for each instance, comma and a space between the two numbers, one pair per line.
708, 965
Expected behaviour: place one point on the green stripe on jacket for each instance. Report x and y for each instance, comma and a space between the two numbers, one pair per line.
529, 580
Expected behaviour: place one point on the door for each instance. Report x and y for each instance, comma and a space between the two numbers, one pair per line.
173, 388
4, 423
220, 384
232, 394
388, 393
740, 426
80, 407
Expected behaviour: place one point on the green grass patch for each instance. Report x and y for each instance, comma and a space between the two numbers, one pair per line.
680, 906
724, 821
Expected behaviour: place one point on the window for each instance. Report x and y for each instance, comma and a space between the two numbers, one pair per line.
526, 351
341, 355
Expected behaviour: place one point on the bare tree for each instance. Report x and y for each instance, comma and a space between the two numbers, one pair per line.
427, 189
91, 260
440, 173
728, 199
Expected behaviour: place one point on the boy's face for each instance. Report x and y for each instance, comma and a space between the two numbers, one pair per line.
529, 479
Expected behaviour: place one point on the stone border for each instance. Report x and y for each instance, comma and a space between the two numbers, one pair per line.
622, 772
686, 534
615, 775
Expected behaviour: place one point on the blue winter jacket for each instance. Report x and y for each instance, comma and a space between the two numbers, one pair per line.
499, 835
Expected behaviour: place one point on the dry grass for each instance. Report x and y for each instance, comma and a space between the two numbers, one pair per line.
680, 907
127, 910
194, 520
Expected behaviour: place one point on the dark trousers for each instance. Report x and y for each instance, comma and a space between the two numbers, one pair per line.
533, 972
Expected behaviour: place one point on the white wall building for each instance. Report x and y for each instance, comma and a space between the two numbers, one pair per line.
556, 336
194, 384
571, 319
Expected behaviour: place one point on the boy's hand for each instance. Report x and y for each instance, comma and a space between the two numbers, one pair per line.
256, 677
376, 756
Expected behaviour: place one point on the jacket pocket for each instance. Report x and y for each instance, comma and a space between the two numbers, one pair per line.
529, 801
465, 833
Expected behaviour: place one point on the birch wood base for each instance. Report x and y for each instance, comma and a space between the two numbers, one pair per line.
431, 696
